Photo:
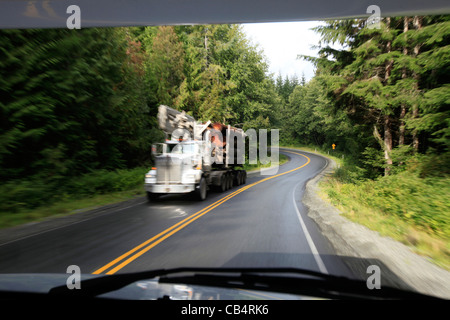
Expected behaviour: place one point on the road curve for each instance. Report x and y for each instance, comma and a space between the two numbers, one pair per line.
260, 224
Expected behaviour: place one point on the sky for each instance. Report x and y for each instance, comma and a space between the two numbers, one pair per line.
282, 42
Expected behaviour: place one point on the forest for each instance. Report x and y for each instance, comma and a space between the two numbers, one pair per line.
78, 107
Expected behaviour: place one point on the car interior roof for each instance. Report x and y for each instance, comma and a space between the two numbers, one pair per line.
107, 13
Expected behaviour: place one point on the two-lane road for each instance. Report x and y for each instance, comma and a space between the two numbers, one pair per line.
260, 224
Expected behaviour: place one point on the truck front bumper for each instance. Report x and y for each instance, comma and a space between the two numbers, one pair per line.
169, 188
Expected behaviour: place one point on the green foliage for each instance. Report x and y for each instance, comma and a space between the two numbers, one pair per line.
421, 201
165, 65
311, 118
24, 194
33, 192
435, 165
389, 81
405, 206
71, 101
416, 193
349, 174
104, 181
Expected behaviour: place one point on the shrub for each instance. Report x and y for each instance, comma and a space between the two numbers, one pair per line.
36, 191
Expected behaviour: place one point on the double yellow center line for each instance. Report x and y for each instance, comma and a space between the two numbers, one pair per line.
139, 250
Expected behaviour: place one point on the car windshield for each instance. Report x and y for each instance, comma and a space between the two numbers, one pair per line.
330, 149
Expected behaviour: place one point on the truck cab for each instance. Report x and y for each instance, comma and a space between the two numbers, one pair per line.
178, 168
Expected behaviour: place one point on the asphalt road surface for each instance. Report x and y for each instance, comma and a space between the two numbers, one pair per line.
260, 224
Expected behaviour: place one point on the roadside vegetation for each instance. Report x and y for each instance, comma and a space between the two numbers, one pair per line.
32, 200
408, 206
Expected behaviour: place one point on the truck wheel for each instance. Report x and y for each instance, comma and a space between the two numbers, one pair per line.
225, 178
240, 178
244, 176
237, 178
152, 196
223, 183
228, 179
201, 191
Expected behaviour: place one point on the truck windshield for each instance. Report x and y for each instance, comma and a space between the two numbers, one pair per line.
181, 148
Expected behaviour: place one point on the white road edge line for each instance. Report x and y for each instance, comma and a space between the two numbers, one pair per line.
311, 244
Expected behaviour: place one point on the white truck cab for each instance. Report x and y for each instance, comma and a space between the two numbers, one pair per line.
178, 168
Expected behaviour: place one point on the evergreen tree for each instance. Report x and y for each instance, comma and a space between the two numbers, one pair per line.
165, 65
382, 81
64, 94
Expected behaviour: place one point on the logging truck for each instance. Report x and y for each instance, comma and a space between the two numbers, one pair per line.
195, 157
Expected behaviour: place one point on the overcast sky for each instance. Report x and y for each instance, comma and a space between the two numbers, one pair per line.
282, 42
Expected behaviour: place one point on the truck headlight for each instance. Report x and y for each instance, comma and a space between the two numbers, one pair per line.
150, 177
189, 178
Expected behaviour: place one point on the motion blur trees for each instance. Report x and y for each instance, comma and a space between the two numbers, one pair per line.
165, 65
71, 101
226, 77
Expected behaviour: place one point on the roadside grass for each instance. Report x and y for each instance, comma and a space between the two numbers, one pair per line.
405, 207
